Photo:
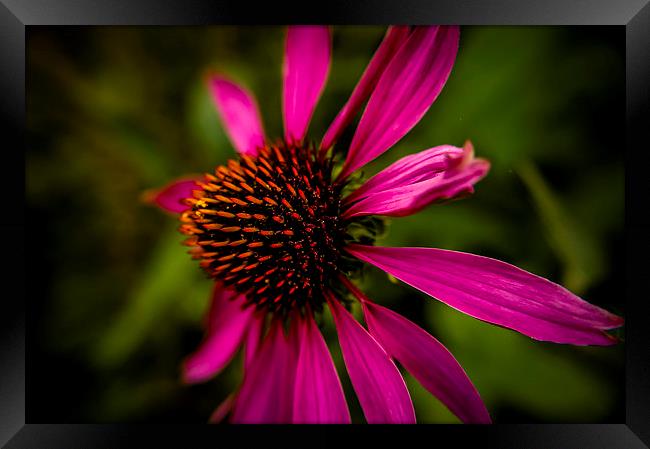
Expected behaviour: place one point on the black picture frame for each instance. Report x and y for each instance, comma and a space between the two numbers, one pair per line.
17, 15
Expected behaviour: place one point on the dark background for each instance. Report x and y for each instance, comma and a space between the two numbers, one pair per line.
116, 304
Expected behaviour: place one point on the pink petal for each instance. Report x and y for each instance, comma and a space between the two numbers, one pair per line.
266, 395
378, 383
239, 114
395, 37
227, 325
253, 338
251, 345
496, 292
405, 91
170, 198
416, 181
426, 359
306, 66
318, 396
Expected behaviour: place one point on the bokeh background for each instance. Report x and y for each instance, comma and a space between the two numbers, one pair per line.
116, 304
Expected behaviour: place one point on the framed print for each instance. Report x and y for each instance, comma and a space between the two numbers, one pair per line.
258, 225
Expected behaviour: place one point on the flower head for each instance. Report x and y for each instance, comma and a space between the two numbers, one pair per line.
270, 227
283, 234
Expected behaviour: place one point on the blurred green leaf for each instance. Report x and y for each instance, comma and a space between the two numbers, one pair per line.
169, 280
453, 226
581, 256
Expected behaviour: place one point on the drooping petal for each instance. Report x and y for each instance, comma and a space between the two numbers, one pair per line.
416, 181
318, 394
306, 66
394, 38
266, 394
170, 198
239, 114
404, 92
378, 383
496, 292
425, 358
228, 322
428, 361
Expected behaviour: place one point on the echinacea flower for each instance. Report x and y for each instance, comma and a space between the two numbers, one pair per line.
282, 233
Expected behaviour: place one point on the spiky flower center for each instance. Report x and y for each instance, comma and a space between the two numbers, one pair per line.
269, 226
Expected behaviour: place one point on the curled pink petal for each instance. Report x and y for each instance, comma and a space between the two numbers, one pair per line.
404, 92
426, 359
318, 397
496, 292
416, 181
228, 322
266, 395
395, 37
409, 170
239, 114
171, 197
306, 66
378, 383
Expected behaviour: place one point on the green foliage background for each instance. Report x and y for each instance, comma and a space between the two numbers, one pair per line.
115, 111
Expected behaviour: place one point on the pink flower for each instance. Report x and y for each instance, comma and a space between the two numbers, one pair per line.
278, 233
